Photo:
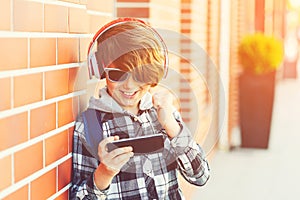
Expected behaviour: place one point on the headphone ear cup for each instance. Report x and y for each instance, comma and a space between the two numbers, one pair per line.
94, 68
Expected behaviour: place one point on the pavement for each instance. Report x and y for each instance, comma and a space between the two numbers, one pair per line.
258, 174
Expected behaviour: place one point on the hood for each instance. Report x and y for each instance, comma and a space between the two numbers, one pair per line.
106, 103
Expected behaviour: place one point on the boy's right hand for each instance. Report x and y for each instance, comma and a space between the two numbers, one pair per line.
110, 163
114, 160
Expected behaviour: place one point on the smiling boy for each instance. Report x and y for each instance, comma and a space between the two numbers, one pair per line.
126, 109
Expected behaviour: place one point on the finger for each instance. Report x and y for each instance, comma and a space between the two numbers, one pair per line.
104, 142
116, 159
119, 151
117, 163
122, 159
156, 101
108, 140
162, 99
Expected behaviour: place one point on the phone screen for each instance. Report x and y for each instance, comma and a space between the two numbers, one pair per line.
140, 145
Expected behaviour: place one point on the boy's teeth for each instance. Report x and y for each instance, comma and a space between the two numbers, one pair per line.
128, 93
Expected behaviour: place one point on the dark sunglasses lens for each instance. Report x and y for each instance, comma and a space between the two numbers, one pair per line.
117, 75
141, 77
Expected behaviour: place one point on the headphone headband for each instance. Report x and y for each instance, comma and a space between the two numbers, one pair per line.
97, 70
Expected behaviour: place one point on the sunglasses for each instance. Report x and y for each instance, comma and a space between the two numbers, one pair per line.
117, 75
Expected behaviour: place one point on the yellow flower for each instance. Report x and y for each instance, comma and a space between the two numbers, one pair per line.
260, 54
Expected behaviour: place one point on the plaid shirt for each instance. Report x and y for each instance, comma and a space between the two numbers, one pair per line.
149, 176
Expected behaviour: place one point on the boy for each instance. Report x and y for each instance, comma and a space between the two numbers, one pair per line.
132, 57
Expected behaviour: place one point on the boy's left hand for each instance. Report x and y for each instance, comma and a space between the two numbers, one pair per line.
163, 101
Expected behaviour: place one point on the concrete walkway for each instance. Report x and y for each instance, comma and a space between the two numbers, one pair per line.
253, 174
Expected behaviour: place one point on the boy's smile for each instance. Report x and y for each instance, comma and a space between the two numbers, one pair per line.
128, 94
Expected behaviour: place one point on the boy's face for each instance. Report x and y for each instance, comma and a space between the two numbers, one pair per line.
127, 93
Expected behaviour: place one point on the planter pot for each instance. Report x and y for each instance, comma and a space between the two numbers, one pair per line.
256, 96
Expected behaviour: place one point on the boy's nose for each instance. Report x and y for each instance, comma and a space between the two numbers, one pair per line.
130, 83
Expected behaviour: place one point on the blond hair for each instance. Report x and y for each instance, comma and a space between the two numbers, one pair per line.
133, 46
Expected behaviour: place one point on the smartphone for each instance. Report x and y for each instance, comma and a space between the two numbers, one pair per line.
140, 145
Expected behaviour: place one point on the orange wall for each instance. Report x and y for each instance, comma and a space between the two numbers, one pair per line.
42, 46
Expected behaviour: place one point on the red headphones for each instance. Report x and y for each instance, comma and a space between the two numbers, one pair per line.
96, 69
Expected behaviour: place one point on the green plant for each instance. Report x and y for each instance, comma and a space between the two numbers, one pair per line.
260, 54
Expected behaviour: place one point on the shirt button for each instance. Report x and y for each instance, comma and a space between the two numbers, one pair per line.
135, 119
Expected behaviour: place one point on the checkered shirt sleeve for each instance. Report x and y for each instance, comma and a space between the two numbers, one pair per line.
84, 165
190, 157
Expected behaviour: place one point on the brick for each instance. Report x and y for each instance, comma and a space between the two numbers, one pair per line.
14, 130
28, 89
28, 16
185, 61
185, 31
5, 171
83, 48
64, 173
5, 88
133, 12
164, 13
42, 52
44, 186
186, 119
186, 10
78, 19
5, 15
28, 161
73, 79
56, 83
71, 135
185, 90
185, 110
72, 1
96, 22
185, 71
42, 120
56, 18
183, 21
101, 5
67, 111
21, 193
186, 1
9, 51
83, 2
63, 196
56, 147
68, 50
137, 1
185, 51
